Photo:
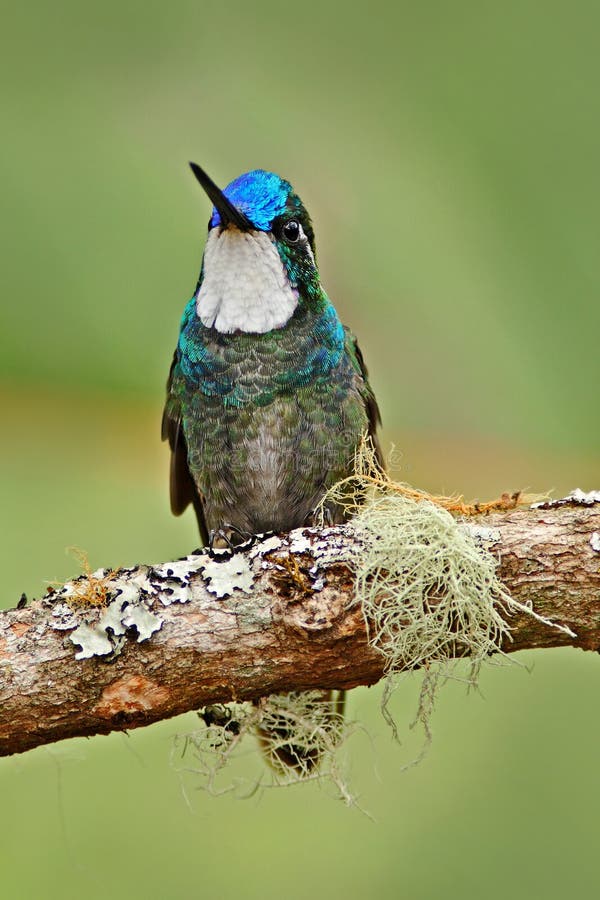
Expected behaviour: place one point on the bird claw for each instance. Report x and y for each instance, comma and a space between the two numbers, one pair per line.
327, 517
319, 515
221, 541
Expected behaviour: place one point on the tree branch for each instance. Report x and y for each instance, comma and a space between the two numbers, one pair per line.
277, 617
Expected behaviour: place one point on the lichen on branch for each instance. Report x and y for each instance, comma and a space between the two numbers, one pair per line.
282, 617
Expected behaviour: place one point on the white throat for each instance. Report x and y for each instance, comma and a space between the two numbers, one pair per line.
245, 286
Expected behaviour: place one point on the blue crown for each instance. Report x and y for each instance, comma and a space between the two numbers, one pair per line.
260, 195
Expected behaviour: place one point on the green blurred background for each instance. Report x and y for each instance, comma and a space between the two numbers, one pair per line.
449, 156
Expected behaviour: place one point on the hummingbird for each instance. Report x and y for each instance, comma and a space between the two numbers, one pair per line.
268, 396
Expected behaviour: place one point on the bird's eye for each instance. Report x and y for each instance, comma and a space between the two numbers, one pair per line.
291, 231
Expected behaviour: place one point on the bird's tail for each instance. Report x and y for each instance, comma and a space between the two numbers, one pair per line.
298, 730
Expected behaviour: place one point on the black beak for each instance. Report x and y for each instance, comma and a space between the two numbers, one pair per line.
226, 209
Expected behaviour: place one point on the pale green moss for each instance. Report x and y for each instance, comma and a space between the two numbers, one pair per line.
429, 590
314, 728
427, 584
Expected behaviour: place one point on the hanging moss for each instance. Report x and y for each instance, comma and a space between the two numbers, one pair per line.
430, 594
428, 586
301, 731
284, 723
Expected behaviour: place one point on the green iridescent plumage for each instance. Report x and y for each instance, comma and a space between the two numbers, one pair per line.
267, 398
261, 424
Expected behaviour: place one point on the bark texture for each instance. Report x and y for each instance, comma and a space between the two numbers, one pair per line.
278, 617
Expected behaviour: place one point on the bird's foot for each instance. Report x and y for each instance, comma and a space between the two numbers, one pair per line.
328, 518
229, 539
318, 516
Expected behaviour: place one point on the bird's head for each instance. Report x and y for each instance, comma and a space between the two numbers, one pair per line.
259, 260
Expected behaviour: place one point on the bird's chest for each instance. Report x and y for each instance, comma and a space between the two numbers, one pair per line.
262, 468
260, 441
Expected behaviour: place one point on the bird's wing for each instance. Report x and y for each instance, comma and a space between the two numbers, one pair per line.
182, 488
371, 407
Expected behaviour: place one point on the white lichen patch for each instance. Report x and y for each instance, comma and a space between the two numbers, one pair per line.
134, 593
175, 593
107, 635
113, 617
172, 581
64, 618
145, 622
93, 640
268, 545
129, 591
595, 541
575, 498
226, 576
300, 542
481, 533
181, 570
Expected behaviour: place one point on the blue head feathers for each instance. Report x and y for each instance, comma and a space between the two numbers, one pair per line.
261, 196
